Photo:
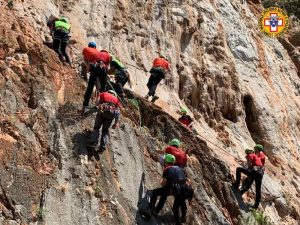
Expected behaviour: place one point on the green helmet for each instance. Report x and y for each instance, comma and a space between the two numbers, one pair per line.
259, 147
248, 151
116, 63
175, 142
162, 56
112, 92
63, 19
183, 110
169, 158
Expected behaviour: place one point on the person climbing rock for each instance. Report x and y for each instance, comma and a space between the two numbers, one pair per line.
158, 72
109, 110
254, 171
90, 57
173, 183
98, 77
61, 31
180, 155
185, 119
259, 151
121, 77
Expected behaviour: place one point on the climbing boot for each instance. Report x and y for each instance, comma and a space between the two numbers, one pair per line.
154, 98
254, 207
154, 212
147, 97
101, 149
145, 214
83, 111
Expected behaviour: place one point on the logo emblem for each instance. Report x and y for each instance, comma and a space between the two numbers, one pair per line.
273, 22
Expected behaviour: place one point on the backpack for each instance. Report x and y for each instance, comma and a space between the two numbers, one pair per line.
108, 110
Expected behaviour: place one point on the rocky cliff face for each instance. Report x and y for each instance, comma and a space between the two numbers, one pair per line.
240, 86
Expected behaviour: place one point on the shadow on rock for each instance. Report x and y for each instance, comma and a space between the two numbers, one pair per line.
143, 202
80, 141
70, 114
91, 111
240, 200
48, 44
143, 209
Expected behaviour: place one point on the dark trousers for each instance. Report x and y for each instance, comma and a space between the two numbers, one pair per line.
60, 42
105, 123
152, 83
253, 175
163, 192
179, 204
95, 73
120, 86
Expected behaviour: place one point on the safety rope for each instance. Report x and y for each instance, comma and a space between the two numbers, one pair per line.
198, 134
139, 124
129, 64
218, 147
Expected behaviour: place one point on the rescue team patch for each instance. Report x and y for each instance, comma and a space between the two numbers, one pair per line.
273, 22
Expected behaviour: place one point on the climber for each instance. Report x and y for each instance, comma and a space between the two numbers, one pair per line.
61, 30
174, 182
180, 155
121, 77
259, 151
98, 76
185, 119
90, 57
158, 72
254, 172
109, 110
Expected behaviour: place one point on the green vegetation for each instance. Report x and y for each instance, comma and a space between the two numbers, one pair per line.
134, 102
97, 191
260, 218
160, 136
40, 213
256, 217
291, 6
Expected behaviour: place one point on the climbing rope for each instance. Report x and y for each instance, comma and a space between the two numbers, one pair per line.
129, 64
139, 123
222, 149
